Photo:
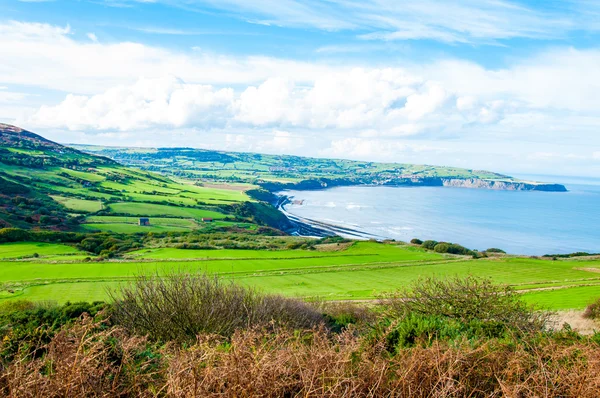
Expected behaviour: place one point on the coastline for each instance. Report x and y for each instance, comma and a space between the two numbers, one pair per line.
530, 224
508, 184
318, 229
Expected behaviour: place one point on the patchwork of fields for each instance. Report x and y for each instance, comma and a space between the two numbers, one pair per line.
109, 198
361, 271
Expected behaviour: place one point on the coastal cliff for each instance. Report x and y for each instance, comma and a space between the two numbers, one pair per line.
502, 185
475, 183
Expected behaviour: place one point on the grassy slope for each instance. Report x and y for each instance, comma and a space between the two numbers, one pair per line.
79, 205
359, 272
59, 181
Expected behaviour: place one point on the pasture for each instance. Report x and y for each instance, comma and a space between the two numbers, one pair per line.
79, 205
361, 271
153, 210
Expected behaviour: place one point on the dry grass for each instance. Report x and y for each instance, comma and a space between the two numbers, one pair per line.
87, 360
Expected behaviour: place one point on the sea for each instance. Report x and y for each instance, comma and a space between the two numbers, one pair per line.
519, 222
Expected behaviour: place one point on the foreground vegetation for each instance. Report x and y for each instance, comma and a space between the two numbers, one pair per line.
263, 345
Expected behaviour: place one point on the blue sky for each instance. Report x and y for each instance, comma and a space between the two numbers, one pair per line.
502, 85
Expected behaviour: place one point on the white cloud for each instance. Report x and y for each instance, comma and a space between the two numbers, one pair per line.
277, 141
92, 37
51, 57
387, 100
420, 104
365, 149
267, 103
560, 78
148, 103
11, 97
596, 155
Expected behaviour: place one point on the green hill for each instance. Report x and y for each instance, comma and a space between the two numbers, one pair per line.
278, 172
45, 185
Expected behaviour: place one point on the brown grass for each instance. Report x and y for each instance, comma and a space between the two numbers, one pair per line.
89, 360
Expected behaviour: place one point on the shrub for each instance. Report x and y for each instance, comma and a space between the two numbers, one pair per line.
452, 248
342, 314
467, 299
495, 250
441, 247
179, 306
429, 244
23, 324
416, 241
593, 310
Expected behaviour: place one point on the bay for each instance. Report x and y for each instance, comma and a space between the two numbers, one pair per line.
519, 222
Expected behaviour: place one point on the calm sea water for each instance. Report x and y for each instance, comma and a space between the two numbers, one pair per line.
532, 223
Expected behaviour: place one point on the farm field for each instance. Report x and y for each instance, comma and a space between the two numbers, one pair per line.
153, 210
79, 205
27, 249
358, 272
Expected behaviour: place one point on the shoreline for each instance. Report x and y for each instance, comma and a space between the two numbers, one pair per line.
319, 229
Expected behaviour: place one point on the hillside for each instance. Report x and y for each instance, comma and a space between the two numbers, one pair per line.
277, 172
45, 185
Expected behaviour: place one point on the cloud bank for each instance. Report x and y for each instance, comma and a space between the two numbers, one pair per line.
447, 111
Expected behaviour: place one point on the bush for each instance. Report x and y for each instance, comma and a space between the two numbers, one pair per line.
593, 310
429, 244
416, 241
422, 330
342, 314
23, 324
180, 306
495, 250
467, 299
452, 248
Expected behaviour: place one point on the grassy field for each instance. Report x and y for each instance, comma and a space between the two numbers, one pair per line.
27, 249
153, 210
127, 225
361, 271
79, 205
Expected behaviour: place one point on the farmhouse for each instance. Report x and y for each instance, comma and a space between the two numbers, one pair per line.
144, 221
207, 219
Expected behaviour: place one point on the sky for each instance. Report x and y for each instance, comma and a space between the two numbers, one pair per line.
507, 86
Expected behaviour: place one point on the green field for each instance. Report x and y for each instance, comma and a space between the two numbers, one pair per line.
79, 205
148, 210
361, 271
27, 249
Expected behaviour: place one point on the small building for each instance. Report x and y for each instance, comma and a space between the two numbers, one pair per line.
144, 221
207, 219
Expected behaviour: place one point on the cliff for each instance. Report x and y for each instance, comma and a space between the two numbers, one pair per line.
503, 185
506, 185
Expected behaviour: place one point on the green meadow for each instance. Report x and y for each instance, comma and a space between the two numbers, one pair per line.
361, 271
79, 205
149, 209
